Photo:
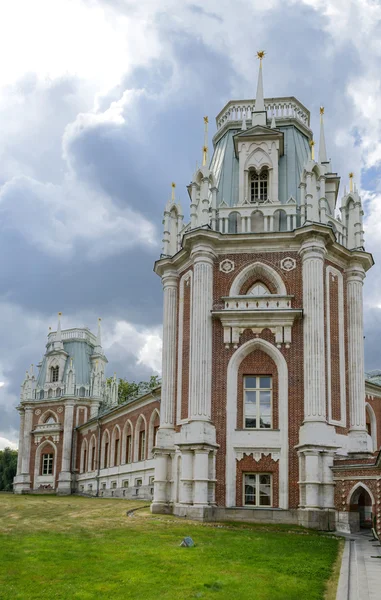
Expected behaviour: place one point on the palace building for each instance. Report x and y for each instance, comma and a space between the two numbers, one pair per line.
265, 411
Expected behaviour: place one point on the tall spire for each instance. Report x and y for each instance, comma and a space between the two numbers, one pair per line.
99, 335
259, 99
312, 146
205, 147
58, 334
173, 185
350, 182
322, 148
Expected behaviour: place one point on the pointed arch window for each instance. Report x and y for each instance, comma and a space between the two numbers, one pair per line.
259, 289
259, 186
54, 371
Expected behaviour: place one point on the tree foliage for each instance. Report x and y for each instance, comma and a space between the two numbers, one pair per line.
129, 390
8, 469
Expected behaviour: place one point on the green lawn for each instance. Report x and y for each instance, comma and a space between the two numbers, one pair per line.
85, 548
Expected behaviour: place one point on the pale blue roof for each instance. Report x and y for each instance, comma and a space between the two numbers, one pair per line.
80, 351
224, 165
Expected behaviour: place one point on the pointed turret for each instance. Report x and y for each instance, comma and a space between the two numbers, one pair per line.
205, 151
58, 333
259, 99
259, 116
322, 148
98, 347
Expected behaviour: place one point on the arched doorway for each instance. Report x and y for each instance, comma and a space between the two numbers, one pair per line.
361, 503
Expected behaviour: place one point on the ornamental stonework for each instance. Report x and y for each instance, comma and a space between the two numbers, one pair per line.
60, 409
226, 266
37, 412
288, 264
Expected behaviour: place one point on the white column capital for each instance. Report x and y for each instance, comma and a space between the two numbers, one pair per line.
170, 279
313, 247
203, 253
355, 273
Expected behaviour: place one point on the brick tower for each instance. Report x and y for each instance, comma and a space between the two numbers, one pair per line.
263, 368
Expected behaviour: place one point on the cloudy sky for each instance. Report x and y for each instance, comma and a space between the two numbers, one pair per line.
101, 106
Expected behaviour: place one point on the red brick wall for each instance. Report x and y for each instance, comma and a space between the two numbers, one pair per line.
265, 465
257, 363
129, 414
293, 356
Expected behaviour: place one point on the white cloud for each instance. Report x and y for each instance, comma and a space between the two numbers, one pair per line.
7, 443
54, 218
123, 341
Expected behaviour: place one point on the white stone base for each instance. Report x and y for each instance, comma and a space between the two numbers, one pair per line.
64, 487
21, 484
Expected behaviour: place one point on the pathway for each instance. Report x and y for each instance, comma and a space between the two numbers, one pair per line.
360, 575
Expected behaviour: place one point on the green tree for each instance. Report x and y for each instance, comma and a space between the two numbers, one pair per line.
128, 390
8, 469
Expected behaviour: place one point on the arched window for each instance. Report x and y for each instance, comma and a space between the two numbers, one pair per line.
280, 220
259, 186
54, 373
42, 394
234, 224
49, 420
257, 222
258, 289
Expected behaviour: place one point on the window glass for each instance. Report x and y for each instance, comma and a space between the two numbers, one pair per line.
257, 402
47, 464
257, 489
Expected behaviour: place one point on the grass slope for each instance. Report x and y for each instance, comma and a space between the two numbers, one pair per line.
82, 548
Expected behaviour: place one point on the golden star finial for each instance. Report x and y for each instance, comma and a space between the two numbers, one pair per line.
206, 120
322, 110
173, 185
350, 175
261, 54
312, 144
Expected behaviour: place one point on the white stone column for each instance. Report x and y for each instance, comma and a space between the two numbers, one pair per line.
27, 440
161, 478
167, 410
312, 253
186, 479
21, 439
201, 476
65, 476
329, 485
313, 479
357, 428
201, 335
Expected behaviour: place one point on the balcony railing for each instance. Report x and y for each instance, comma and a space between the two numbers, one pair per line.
76, 334
280, 108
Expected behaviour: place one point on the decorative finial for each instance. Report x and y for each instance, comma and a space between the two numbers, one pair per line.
205, 147
173, 185
261, 55
312, 144
322, 110
351, 181
60, 314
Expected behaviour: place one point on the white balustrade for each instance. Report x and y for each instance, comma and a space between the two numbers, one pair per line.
281, 108
273, 302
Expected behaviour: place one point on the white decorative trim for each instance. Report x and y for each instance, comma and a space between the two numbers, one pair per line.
356, 487
332, 272
261, 269
279, 437
288, 264
257, 453
186, 279
227, 266
37, 462
37, 412
373, 426
59, 409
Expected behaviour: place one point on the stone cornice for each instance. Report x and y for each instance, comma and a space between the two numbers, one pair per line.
219, 243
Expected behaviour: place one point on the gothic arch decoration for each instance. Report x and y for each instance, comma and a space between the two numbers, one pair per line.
258, 159
92, 458
260, 270
373, 426
48, 414
83, 456
37, 462
105, 449
356, 490
127, 430
138, 429
115, 447
151, 430
264, 441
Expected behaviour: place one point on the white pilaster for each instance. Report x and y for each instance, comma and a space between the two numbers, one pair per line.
186, 479
357, 428
27, 441
65, 476
201, 476
201, 335
21, 439
21, 482
167, 412
312, 253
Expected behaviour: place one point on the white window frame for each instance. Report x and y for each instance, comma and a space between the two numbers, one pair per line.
138, 482
49, 463
257, 391
257, 490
